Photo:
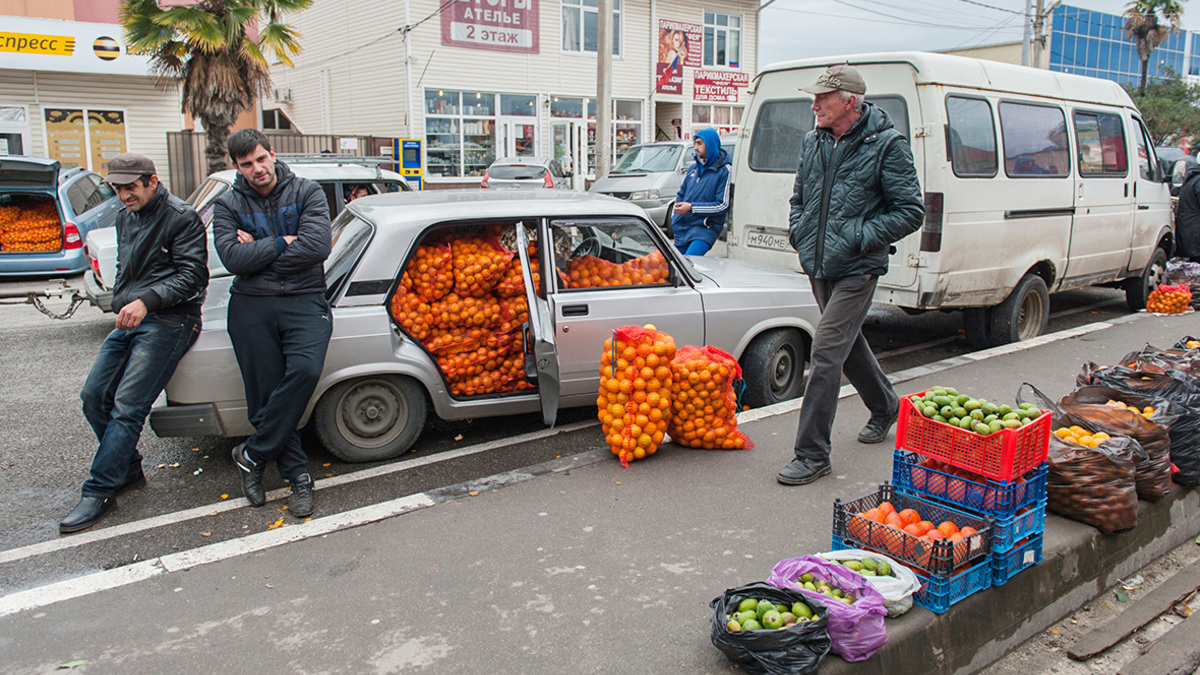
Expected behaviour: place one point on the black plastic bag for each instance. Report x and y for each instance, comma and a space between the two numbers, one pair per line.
1172, 385
1187, 341
797, 649
1185, 273
1151, 431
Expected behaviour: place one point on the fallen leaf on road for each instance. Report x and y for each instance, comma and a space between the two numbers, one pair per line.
458, 437
71, 665
278, 523
618, 482
1122, 596
206, 533
1133, 582
213, 514
195, 449
329, 475
160, 466
174, 466
474, 493
325, 464
270, 586
224, 495
1056, 631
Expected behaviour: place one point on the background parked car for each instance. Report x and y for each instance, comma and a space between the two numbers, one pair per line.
336, 177
528, 173
45, 213
393, 353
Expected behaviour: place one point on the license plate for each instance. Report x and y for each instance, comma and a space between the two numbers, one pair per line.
773, 242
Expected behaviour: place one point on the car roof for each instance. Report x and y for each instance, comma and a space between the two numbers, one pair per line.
326, 172
429, 206
522, 160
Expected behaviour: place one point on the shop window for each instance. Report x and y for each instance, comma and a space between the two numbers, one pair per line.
1035, 140
14, 130
971, 137
580, 26
460, 132
84, 137
525, 106
1100, 141
275, 119
726, 119
722, 40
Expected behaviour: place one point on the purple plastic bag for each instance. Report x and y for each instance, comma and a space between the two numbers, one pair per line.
857, 630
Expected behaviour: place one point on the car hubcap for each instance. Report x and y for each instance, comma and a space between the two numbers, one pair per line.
1030, 321
782, 366
371, 414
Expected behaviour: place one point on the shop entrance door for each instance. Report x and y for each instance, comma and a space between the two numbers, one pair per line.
569, 144
518, 138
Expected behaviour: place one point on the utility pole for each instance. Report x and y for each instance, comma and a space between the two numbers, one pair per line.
1028, 29
604, 88
1039, 29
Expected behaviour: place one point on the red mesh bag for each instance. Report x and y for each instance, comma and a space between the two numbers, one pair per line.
703, 400
1169, 299
455, 311
651, 268
634, 404
591, 272
512, 284
480, 261
412, 313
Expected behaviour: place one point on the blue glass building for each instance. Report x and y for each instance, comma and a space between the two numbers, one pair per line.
1091, 43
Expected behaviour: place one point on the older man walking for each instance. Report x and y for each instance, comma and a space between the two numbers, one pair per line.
856, 193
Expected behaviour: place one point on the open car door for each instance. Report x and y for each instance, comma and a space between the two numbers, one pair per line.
541, 354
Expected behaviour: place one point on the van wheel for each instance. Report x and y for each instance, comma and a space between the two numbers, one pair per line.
1137, 290
773, 368
1024, 314
371, 418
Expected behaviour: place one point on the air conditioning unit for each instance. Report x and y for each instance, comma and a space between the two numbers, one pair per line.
281, 95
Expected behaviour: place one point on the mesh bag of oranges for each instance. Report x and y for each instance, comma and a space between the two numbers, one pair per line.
430, 273
634, 403
1169, 299
1146, 419
479, 262
512, 282
1092, 476
412, 313
703, 400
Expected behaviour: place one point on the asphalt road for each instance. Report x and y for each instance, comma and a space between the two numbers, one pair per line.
46, 446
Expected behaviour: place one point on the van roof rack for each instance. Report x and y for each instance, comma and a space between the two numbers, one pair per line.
337, 160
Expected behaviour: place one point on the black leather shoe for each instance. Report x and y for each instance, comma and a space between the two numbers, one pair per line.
877, 428
301, 501
138, 479
803, 471
86, 513
252, 476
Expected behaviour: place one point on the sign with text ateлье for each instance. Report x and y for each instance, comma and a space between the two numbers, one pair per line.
504, 25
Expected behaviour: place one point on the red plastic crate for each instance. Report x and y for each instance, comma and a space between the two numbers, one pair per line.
1005, 455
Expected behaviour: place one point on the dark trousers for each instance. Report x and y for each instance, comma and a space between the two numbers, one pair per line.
280, 344
839, 347
129, 373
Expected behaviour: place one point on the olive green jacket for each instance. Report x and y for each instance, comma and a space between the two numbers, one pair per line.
853, 198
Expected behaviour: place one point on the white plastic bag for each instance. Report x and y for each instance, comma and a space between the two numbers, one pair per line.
897, 590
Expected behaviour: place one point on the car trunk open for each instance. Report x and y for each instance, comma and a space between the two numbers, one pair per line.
29, 223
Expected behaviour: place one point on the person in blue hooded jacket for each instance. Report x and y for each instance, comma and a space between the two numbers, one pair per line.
703, 199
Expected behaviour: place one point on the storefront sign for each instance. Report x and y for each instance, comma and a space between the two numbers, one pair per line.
719, 85
504, 25
67, 46
679, 45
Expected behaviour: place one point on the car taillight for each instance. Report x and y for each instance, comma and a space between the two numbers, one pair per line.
931, 233
71, 238
483, 183
547, 181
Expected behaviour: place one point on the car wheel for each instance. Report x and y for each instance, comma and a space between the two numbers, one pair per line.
1137, 290
773, 367
371, 418
1024, 314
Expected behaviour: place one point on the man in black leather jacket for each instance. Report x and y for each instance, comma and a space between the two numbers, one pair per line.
162, 273
272, 231
1187, 216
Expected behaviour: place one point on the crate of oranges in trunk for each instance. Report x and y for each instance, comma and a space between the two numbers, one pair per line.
930, 537
1169, 299
703, 400
634, 403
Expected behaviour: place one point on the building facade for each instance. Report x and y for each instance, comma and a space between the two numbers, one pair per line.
1092, 43
480, 79
69, 89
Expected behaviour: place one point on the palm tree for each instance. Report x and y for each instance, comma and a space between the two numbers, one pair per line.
207, 47
1144, 24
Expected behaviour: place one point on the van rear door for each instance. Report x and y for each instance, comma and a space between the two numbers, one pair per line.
1103, 224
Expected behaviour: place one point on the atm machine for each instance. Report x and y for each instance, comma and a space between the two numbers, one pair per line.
408, 152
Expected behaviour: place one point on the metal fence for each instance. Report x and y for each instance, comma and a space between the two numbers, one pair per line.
188, 166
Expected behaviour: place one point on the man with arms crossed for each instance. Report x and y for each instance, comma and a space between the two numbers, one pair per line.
855, 194
272, 231
162, 271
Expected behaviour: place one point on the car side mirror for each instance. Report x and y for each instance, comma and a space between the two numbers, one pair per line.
1178, 174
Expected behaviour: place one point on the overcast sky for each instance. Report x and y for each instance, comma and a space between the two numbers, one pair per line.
793, 29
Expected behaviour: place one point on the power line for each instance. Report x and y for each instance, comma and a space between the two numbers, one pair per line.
895, 20
998, 9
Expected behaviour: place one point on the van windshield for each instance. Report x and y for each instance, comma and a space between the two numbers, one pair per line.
649, 159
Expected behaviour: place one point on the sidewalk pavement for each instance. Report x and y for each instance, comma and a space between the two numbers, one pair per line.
589, 567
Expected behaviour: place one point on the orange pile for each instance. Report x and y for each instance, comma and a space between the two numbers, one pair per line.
634, 403
1080, 436
906, 534
33, 227
1144, 412
449, 301
703, 403
592, 272
1169, 299
512, 283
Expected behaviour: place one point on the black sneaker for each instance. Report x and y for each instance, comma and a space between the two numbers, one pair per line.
252, 476
301, 502
877, 429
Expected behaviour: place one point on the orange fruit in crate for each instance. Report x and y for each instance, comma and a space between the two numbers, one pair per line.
914, 529
909, 516
947, 528
894, 520
967, 531
886, 508
925, 526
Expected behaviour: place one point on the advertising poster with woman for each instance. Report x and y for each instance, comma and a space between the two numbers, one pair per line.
679, 45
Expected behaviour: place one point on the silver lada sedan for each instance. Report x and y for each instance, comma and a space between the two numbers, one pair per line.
402, 345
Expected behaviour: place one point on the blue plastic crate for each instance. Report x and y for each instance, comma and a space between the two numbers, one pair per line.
937, 595
1024, 554
986, 496
1010, 531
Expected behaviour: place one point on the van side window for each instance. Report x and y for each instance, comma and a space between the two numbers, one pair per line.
1145, 159
1100, 140
1035, 140
779, 134
970, 137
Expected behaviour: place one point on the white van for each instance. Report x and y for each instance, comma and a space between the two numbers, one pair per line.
1034, 182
